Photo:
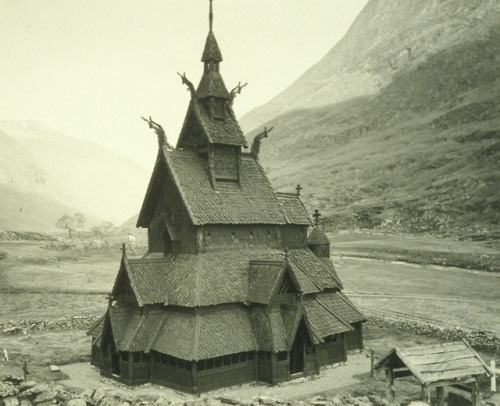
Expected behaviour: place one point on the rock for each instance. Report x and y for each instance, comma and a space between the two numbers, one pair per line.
54, 368
7, 389
16, 380
36, 389
25, 402
266, 400
10, 401
26, 385
46, 396
75, 402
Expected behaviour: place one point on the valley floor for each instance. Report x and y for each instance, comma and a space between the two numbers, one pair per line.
40, 284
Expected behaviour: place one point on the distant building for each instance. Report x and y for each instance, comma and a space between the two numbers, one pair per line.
232, 289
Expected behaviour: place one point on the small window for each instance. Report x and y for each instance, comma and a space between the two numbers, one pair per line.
218, 362
243, 357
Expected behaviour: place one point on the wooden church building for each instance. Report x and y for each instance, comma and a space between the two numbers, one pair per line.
237, 285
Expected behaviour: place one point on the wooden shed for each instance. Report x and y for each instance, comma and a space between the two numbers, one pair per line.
454, 365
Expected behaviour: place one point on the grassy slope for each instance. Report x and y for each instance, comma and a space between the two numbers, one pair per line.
422, 155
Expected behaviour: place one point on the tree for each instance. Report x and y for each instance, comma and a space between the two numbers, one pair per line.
103, 229
80, 220
66, 223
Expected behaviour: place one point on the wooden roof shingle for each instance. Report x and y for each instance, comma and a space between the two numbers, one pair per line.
211, 52
263, 278
251, 201
196, 336
317, 237
322, 321
436, 362
294, 209
342, 306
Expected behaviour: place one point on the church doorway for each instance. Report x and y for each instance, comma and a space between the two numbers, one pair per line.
297, 352
115, 363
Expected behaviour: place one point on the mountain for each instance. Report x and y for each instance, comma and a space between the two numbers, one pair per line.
45, 174
398, 126
387, 37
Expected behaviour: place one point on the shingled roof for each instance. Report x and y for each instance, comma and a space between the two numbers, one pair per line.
211, 52
147, 281
212, 84
242, 275
197, 336
317, 237
251, 201
322, 321
294, 209
436, 362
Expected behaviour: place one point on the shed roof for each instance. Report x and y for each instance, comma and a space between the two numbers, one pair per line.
437, 362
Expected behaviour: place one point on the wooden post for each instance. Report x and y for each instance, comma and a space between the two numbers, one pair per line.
194, 373
361, 343
372, 363
493, 377
476, 395
390, 381
130, 367
439, 396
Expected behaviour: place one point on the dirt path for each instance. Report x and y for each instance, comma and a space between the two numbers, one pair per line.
83, 377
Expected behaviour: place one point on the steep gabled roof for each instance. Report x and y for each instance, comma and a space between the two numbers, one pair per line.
322, 321
312, 273
212, 84
294, 209
146, 280
249, 201
263, 280
214, 130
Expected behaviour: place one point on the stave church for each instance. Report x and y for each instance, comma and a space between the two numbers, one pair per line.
237, 284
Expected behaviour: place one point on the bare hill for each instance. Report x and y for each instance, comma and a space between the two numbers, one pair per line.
66, 174
387, 37
422, 153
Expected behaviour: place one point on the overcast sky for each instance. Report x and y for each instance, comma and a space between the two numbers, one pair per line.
91, 68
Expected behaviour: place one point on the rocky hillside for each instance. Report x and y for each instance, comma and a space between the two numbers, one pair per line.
414, 148
45, 174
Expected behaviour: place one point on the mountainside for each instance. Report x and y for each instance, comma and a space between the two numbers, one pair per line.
45, 174
420, 151
388, 36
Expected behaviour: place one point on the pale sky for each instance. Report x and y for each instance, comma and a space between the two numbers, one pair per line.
92, 68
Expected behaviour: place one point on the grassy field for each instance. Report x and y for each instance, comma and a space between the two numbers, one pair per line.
451, 297
481, 255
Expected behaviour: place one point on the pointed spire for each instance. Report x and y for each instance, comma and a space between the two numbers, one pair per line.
211, 17
211, 51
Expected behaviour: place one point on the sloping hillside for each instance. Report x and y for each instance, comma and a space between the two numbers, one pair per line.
420, 155
64, 173
388, 36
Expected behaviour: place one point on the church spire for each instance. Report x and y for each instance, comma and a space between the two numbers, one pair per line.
211, 54
211, 17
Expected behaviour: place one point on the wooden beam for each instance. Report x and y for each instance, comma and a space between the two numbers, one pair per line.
476, 395
449, 382
390, 382
439, 396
